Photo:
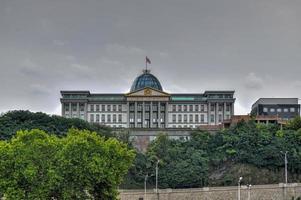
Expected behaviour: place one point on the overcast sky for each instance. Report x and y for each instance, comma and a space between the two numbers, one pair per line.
252, 47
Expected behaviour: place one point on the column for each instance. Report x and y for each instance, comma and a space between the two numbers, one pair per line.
224, 110
159, 114
208, 113
86, 111
77, 108
216, 113
135, 116
143, 114
166, 115
70, 110
63, 109
128, 114
151, 114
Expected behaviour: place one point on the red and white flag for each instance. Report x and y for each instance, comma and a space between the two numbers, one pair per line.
147, 60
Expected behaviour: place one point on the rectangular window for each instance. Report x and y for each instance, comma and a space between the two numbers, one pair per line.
211, 107
114, 118
211, 118
103, 118
265, 109
119, 108
74, 107
92, 107
97, 117
185, 108
190, 108
114, 108
109, 118
174, 118
179, 108
97, 107
279, 110
180, 118
220, 118
103, 107
196, 108
109, 108
285, 110
227, 107
202, 107
174, 108
196, 118
202, 118
190, 118
292, 109
91, 118
220, 107
272, 109
82, 107
185, 118
66, 105
120, 118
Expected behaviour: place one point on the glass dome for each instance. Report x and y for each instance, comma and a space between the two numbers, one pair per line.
146, 80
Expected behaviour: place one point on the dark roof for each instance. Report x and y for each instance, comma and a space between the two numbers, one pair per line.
146, 80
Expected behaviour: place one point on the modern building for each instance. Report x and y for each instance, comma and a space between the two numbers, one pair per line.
148, 106
283, 108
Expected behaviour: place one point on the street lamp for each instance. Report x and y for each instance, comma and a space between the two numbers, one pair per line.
157, 163
145, 179
238, 193
249, 191
285, 165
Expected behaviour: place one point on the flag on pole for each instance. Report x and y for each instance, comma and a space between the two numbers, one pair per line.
147, 60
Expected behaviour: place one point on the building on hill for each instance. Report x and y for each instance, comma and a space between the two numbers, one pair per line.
283, 108
148, 106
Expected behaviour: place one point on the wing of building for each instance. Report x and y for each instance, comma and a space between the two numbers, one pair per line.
148, 106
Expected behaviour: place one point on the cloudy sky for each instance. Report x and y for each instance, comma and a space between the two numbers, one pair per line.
252, 47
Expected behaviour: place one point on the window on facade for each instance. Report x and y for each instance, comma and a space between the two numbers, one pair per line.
180, 108
202, 118
82, 116
155, 107
185, 118
97, 117
91, 118
265, 109
191, 118
279, 110
97, 107
220, 118
292, 109
114, 118
103, 107
119, 108
196, 118
196, 107
227, 116
285, 110
211, 107
74, 107
109, 108
103, 118
66, 107
82, 107
220, 107
114, 108
185, 108
132, 116
139, 106
109, 118
180, 118
272, 109
228, 107
92, 107
119, 118
202, 107
190, 108
174, 118
174, 108
147, 107
211, 118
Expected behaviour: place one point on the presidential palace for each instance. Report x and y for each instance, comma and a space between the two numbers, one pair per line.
148, 106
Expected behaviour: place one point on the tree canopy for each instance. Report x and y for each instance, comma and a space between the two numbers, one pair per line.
82, 165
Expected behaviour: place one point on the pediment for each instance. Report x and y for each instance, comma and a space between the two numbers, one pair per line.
147, 92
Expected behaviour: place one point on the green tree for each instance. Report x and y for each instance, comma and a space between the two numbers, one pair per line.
82, 165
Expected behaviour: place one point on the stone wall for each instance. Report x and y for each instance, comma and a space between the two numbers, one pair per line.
257, 192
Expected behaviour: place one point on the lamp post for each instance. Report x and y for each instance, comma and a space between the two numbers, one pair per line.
157, 163
145, 179
285, 165
249, 191
238, 192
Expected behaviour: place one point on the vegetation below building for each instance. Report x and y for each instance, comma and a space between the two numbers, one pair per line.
248, 149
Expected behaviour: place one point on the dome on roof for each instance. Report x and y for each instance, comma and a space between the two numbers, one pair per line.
146, 80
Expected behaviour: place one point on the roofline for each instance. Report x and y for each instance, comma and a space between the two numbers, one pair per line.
275, 98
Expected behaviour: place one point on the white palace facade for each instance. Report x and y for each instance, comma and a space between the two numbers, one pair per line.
148, 106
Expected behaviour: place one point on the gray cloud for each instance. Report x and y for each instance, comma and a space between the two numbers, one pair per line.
46, 46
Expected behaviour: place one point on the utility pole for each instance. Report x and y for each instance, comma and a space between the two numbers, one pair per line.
145, 180
249, 192
238, 192
285, 165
